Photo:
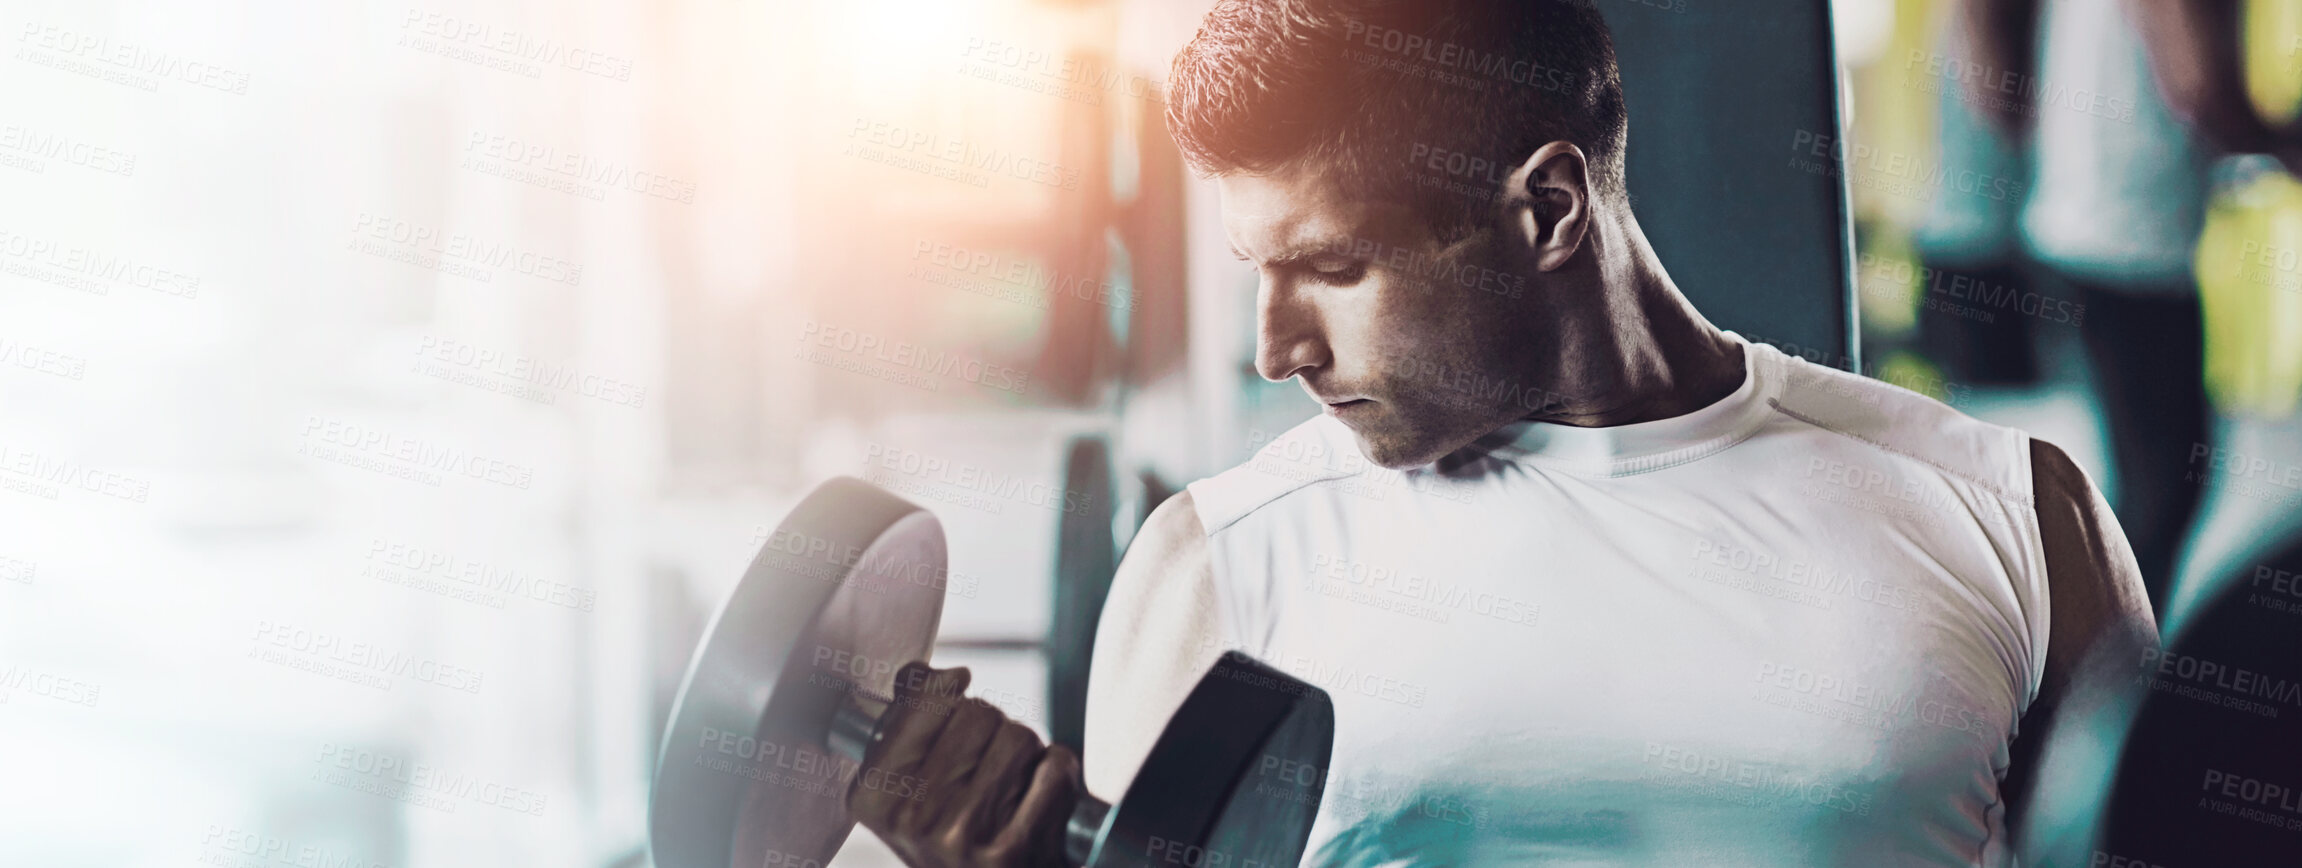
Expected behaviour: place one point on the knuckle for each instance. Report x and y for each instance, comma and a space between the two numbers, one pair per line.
952, 839
979, 710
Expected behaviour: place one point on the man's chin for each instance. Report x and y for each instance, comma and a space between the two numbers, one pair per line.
1395, 453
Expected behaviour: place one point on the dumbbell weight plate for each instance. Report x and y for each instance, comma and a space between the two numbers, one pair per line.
1234, 780
849, 588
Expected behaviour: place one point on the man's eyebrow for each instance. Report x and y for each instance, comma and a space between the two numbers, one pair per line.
1290, 257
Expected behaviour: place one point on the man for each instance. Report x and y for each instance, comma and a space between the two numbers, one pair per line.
1645, 594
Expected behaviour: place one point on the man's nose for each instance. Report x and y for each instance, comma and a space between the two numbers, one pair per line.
1288, 339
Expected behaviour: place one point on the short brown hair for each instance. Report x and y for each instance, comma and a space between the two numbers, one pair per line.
1360, 84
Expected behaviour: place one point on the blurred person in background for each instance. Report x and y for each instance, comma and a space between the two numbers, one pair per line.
1971, 238
2114, 213
2232, 70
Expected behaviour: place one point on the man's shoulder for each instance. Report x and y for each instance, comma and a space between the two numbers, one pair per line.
1316, 450
1912, 426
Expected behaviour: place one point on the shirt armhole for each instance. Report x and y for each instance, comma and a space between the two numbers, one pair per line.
2031, 589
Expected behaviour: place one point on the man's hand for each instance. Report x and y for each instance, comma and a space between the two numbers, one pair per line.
954, 782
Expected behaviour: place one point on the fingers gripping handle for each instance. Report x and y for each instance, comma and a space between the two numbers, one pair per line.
855, 727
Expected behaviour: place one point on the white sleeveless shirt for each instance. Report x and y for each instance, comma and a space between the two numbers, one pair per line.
1793, 628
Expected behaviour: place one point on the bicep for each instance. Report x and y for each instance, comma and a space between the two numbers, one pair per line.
1160, 630
2099, 608
2099, 625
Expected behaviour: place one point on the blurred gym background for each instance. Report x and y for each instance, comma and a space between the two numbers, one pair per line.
495, 337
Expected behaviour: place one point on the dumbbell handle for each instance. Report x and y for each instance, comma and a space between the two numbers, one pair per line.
856, 725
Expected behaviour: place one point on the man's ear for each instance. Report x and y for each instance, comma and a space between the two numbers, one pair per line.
1547, 203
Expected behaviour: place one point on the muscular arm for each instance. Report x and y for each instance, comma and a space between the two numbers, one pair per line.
2100, 625
1158, 634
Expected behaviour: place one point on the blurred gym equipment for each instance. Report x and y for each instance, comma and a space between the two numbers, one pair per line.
2211, 773
1719, 99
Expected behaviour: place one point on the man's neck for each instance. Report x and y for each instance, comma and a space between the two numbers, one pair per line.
1651, 356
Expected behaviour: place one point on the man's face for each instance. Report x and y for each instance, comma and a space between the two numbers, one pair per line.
1419, 348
